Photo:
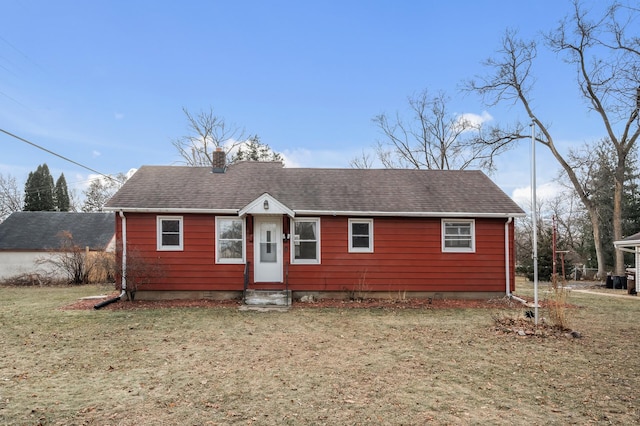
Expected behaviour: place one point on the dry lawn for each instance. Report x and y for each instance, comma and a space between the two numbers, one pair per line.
334, 366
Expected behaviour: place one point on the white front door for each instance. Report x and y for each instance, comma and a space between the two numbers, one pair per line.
267, 249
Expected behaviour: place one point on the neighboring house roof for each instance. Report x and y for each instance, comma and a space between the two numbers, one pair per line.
628, 244
41, 230
399, 192
631, 238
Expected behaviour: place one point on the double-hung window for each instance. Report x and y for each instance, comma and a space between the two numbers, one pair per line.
229, 240
458, 235
361, 235
306, 241
169, 233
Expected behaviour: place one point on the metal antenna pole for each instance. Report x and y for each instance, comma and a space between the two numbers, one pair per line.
534, 219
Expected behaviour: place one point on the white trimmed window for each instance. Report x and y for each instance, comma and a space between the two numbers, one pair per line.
306, 241
458, 235
361, 235
169, 233
230, 240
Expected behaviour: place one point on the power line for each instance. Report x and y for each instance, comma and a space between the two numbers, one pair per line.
57, 155
22, 53
16, 101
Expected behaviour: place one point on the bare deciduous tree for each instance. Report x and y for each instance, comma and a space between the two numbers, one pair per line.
434, 138
207, 132
11, 197
79, 264
363, 161
138, 271
606, 56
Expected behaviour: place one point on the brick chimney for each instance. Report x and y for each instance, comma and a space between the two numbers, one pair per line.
219, 161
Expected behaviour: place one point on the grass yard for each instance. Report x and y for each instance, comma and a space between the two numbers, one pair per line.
334, 366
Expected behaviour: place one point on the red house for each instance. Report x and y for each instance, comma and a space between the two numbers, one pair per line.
217, 232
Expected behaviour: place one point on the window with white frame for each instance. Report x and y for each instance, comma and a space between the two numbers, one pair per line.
458, 235
361, 235
229, 240
306, 241
169, 233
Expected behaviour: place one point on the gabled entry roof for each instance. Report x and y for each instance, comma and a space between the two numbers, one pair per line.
397, 192
266, 204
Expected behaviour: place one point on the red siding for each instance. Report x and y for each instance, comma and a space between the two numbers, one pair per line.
194, 267
407, 257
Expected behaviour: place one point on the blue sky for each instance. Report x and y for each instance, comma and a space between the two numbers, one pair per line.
104, 82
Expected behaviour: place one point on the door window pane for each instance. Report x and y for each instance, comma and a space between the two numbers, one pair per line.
268, 248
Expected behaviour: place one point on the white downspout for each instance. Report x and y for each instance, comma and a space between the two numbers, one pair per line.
123, 278
507, 262
507, 271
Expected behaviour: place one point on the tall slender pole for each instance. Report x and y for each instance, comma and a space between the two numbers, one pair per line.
534, 220
554, 252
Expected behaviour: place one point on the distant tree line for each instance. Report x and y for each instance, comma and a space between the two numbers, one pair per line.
41, 193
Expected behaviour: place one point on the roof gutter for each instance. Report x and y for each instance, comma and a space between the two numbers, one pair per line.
170, 210
624, 245
405, 214
322, 212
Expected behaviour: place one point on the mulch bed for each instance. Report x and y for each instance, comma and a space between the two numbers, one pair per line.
504, 325
324, 303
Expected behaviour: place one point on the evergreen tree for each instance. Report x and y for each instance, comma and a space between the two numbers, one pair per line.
254, 150
545, 253
63, 203
601, 187
100, 190
39, 190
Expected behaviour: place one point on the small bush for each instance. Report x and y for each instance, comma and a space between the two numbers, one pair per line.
33, 279
557, 305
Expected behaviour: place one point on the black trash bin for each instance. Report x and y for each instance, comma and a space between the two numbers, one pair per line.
609, 282
617, 282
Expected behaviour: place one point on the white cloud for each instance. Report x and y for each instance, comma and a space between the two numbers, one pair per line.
544, 192
118, 116
14, 170
86, 180
95, 153
302, 157
469, 120
130, 172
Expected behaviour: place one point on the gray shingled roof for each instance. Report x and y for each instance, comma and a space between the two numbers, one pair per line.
409, 192
631, 240
40, 230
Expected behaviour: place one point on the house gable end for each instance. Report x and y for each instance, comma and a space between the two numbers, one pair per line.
266, 204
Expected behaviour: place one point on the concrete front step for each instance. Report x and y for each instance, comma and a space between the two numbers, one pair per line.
263, 308
267, 297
